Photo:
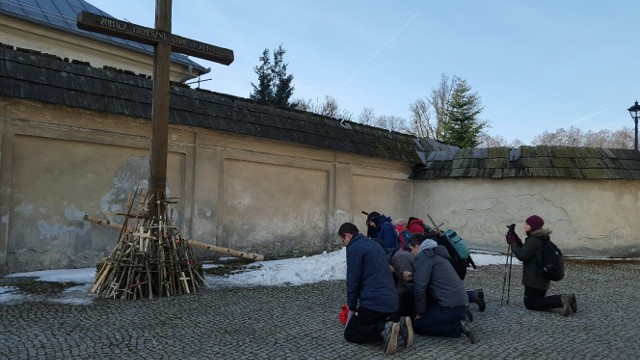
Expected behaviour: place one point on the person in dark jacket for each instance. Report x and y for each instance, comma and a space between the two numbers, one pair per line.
386, 231
439, 294
371, 293
372, 230
402, 264
535, 284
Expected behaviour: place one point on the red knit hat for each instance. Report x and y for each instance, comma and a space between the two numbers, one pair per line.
535, 222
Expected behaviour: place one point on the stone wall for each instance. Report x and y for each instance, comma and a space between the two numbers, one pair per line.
275, 198
246, 193
587, 217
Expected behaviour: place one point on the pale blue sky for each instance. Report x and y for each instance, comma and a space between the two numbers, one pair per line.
537, 65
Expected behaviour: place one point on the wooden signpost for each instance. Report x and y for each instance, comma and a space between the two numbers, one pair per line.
163, 269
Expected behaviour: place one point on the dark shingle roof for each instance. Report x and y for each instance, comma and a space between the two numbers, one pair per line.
528, 161
36, 77
61, 15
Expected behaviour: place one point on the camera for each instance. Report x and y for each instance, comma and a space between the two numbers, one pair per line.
512, 228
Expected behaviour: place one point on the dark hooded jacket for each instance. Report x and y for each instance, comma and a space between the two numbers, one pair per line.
369, 279
435, 275
530, 253
387, 232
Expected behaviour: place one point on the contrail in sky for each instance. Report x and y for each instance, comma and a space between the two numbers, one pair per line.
379, 50
575, 122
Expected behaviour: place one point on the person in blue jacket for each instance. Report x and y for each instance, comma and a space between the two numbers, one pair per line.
371, 293
386, 231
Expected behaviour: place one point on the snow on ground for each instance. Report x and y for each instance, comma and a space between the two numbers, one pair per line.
293, 271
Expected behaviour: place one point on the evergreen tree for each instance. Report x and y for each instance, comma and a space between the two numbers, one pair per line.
281, 80
274, 84
463, 127
263, 92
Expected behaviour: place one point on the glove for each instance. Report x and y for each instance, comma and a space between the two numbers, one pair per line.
344, 313
512, 238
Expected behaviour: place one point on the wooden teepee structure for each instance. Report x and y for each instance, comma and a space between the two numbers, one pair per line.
151, 259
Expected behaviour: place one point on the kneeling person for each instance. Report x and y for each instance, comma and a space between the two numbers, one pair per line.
439, 294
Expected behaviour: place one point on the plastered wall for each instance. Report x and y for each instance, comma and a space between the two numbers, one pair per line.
244, 193
278, 199
587, 217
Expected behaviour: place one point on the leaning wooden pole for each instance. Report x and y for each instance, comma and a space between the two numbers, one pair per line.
194, 243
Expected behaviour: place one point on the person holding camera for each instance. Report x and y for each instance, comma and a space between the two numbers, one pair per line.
535, 284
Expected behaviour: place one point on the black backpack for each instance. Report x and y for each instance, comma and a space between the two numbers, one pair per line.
552, 263
459, 264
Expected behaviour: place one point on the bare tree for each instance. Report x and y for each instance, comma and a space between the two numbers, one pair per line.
622, 139
329, 108
515, 143
430, 115
486, 141
392, 123
421, 118
367, 116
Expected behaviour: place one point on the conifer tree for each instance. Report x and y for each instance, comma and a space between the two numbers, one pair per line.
274, 84
463, 127
263, 92
282, 82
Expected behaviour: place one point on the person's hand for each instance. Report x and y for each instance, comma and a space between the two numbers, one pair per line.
512, 238
351, 313
407, 276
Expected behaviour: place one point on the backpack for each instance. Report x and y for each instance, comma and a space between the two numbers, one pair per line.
458, 244
459, 264
552, 263
403, 238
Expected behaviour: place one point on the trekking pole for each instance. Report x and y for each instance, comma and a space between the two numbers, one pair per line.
507, 265
510, 265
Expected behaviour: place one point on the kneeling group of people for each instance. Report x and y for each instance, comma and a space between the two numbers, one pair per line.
430, 298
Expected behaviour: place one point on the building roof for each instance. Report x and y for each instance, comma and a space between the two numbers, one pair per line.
61, 15
530, 161
49, 79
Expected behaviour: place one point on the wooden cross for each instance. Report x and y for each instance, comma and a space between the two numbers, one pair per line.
164, 43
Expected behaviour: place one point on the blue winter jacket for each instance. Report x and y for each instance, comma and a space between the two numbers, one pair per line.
369, 281
387, 232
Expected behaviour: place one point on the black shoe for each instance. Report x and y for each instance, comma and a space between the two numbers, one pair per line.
478, 295
566, 305
466, 331
406, 330
390, 337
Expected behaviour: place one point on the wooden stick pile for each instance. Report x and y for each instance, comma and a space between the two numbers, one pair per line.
151, 259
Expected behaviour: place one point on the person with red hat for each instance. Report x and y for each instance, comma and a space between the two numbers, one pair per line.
535, 284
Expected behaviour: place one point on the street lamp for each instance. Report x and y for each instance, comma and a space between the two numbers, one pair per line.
633, 111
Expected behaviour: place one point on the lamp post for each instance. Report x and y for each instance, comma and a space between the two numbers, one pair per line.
633, 111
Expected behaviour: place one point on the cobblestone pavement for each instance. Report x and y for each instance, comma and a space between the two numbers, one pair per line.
301, 322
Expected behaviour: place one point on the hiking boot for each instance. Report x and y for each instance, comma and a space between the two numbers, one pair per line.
390, 337
468, 314
478, 296
466, 331
574, 303
566, 304
406, 330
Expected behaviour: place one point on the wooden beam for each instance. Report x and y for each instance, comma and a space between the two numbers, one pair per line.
122, 29
194, 243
